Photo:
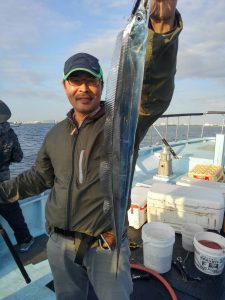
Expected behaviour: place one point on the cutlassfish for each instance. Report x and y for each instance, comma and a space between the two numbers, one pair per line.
123, 93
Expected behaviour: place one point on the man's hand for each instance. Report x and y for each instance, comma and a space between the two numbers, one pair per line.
162, 15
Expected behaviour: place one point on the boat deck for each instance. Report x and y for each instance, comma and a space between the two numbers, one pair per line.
210, 287
13, 286
189, 153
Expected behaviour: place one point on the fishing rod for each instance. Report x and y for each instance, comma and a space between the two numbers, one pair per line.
166, 143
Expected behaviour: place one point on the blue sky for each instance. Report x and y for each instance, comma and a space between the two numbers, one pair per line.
37, 36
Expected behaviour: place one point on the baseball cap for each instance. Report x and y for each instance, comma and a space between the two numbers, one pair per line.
83, 62
5, 112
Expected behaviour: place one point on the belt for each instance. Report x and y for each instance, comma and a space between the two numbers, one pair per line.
107, 239
85, 244
68, 233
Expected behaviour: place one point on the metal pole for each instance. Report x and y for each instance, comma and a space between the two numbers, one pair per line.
14, 254
223, 124
189, 120
166, 127
177, 128
203, 125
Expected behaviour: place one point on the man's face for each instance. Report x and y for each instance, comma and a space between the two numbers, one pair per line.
83, 91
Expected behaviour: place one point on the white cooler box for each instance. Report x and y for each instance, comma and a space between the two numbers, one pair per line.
137, 214
176, 205
192, 182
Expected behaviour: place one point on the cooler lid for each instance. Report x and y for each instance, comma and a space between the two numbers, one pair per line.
196, 197
189, 181
139, 195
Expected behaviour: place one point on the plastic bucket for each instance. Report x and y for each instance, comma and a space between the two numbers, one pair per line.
158, 240
188, 232
208, 259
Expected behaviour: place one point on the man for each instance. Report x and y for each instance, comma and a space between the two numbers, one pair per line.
80, 247
10, 151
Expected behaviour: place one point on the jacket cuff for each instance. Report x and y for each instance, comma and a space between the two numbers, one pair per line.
178, 26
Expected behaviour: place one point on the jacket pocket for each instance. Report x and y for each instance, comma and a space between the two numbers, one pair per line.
81, 173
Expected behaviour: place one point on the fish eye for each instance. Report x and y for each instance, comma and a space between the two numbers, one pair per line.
139, 17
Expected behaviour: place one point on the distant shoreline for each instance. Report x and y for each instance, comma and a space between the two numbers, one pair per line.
33, 122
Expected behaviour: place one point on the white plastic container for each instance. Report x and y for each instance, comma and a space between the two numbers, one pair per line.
137, 214
188, 232
158, 240
192, 182
208, 260
176, 205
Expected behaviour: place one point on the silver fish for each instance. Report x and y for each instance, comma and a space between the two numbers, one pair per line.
123, 93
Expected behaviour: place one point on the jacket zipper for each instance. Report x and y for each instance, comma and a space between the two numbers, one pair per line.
81, 175
70, 184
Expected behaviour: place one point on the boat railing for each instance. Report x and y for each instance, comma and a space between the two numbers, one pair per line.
176, 127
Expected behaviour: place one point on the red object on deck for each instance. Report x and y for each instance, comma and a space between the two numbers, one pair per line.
157, 276
210, 244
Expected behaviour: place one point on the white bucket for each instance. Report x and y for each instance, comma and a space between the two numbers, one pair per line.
158, 239
207, 259
188, 232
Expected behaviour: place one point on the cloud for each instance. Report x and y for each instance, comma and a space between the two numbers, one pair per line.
24, 23
28, 58
100, 45
14, 73
34, 93
37, 36
101, 6
35, 103
202, 42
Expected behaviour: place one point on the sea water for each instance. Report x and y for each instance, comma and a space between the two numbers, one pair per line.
31, 136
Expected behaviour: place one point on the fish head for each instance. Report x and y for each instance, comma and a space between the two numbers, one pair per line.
138, 23
141, 4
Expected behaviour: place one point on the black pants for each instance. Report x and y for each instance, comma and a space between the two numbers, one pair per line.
12, 213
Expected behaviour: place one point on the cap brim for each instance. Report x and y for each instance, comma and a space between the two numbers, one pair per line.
99, 75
